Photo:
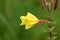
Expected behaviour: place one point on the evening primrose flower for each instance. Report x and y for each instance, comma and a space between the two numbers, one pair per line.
29, 20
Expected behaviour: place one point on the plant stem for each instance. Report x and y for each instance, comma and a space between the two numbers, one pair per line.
50, 33
49, 24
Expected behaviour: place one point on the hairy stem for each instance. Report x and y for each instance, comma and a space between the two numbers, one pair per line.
50, 33
49, 24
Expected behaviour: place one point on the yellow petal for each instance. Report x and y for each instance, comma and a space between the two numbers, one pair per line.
28, 26
22, 24
23, 19
32, 23
32, 17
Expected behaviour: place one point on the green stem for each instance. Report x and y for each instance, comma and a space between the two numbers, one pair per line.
49, 24
49, 19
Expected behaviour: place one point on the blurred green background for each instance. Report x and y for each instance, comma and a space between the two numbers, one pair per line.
10, 12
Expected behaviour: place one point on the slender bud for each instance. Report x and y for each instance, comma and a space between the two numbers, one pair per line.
55, 4
51, 2
42, 4
46, 4
45, 1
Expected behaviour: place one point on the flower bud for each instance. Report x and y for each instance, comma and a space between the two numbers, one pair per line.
46, 4
55, 4
51, 2
42, 4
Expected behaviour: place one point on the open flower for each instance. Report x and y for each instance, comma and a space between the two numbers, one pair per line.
29, 20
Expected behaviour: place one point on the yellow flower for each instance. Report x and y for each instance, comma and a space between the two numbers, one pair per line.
29, 20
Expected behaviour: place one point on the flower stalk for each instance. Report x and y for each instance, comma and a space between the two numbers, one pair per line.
49, 24
50, 9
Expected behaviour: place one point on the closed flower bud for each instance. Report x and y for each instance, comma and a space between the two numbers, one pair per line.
42, 4
51, 2
55, 4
